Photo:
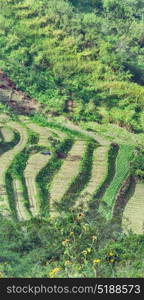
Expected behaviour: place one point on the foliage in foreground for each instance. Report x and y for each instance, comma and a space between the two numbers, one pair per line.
72, 246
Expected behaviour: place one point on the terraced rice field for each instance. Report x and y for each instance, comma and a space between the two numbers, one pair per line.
98, 175
122, 171
22, 212
133, 216
34, 165
5, 161
31, 164
69, 169
7, 134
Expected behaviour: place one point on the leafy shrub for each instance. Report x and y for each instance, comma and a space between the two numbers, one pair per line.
138, 164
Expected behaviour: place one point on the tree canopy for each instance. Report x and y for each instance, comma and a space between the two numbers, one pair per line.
87, 51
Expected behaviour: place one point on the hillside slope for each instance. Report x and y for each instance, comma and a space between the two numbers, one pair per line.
80, 58
76, 174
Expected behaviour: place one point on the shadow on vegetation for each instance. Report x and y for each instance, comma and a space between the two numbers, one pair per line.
123, 200
94, 204
81, 180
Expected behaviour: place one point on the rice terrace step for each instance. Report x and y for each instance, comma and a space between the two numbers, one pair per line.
66, 174
72, 140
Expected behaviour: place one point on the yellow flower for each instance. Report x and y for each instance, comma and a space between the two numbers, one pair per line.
110, 254
94, 238
89, 250
96, 261
56, 270
53, 272
85, 227
67, 263
111, 260
64, 243
71, 233
1, 275
84, 252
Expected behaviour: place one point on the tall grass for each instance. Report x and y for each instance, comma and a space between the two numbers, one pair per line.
41, 120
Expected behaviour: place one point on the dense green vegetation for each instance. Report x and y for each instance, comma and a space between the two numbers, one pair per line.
83, 62
138, 165
122, 170
72, 246
86, 52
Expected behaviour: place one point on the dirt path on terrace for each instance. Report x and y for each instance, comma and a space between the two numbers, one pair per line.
17, 100
5, 162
